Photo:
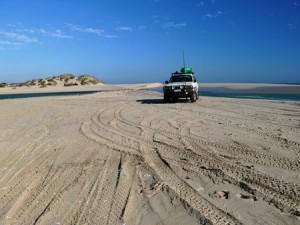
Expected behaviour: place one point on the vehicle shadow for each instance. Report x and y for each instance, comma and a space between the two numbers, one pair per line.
151, 101
160, 101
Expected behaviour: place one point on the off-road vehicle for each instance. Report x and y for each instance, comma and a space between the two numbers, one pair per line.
182, 84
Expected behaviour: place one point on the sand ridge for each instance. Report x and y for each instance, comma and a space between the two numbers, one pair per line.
125, 157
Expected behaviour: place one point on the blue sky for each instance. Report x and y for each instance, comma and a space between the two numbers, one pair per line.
132, 41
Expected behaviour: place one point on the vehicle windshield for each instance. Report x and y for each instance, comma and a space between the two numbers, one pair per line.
181, 78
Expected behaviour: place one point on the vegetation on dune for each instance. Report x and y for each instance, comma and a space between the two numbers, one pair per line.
71, 80
3, 85
70, 84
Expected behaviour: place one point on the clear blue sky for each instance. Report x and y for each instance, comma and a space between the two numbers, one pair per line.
132, 41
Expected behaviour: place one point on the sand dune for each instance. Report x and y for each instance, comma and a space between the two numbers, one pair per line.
124, 157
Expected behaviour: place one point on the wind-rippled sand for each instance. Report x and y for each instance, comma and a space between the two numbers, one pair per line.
125, 157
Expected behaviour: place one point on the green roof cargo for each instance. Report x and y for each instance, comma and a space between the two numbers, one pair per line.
186, 70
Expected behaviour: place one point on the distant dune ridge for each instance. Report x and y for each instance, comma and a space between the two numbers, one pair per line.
60, 80
60, 83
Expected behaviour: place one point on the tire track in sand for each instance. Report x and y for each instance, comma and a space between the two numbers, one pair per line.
269, 186
178, 185
285, 195
110, 128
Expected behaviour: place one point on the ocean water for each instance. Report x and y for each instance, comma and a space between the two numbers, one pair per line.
33, 95
281, 97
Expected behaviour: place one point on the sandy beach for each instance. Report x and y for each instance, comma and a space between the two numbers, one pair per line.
124, 157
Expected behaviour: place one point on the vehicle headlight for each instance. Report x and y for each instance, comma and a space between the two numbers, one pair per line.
189, 86
181, 87
167, 88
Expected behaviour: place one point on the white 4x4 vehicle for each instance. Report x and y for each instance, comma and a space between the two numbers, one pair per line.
181, 85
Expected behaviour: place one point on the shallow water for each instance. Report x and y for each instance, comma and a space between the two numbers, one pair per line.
282, 97
33, 95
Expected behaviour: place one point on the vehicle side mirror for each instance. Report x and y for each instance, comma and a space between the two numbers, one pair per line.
195, 80
166, 82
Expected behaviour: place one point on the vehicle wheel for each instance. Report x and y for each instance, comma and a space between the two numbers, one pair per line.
166, 98
197, 96
194, 97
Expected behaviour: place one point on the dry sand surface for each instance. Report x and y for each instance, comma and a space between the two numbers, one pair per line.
124, 157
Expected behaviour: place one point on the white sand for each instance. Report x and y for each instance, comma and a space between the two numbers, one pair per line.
124, 157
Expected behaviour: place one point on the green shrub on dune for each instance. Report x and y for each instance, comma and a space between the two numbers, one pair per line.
70, 84
2, 85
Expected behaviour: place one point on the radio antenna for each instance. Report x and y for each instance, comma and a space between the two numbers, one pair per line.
183, 59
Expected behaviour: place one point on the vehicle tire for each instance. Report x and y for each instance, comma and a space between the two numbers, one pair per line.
193, 97
166, 98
